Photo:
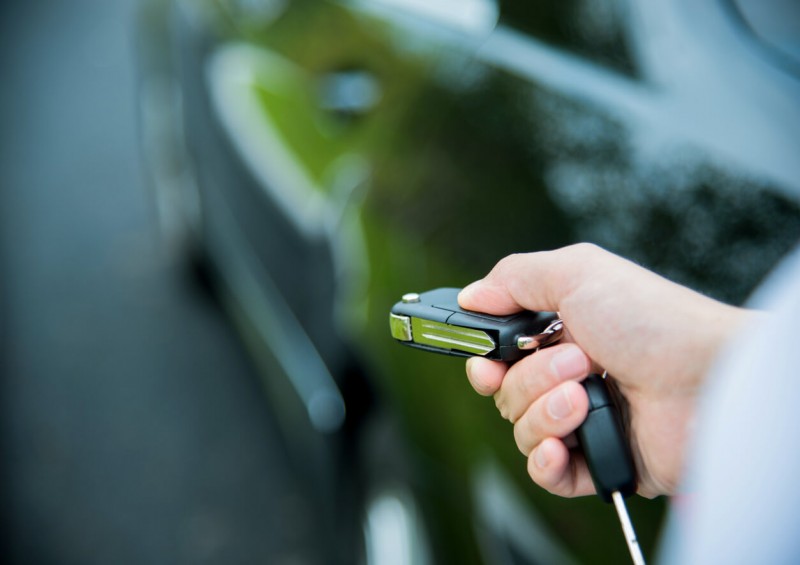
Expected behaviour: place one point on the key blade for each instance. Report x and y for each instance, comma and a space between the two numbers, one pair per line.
627, 528
449, 336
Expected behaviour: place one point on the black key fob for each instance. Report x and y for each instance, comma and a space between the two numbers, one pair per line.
433, 321
603, 442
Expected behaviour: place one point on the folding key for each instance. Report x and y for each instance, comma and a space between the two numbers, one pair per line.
433, 321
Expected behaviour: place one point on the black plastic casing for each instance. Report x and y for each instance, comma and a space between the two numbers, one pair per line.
441, 305
604, 444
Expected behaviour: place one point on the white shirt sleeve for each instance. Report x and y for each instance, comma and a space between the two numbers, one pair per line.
742, 486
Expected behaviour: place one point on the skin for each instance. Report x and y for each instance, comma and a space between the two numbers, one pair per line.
656, 338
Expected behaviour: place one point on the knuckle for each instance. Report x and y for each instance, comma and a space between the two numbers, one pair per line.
522, 446
526, 433
499, 404
583, 249
503, 409
508, 264
534, 471
535, 376
543, 478
527, 386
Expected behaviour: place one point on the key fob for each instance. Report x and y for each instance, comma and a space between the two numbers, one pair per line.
433, 321
603, 442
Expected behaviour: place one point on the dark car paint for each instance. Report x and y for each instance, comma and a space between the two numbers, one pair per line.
473, 152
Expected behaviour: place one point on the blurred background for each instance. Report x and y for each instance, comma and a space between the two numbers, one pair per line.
132, 425
207, 208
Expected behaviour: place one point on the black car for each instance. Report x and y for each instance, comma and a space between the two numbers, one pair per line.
322, 158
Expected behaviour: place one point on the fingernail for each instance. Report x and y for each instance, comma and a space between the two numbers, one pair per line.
540, 458
469, 365
559, 406
569, 364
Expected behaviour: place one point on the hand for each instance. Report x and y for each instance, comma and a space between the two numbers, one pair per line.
657, 339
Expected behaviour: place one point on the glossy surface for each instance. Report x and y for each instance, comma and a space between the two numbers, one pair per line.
378, 146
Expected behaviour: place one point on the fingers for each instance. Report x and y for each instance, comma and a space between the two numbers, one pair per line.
556, 414
534, 375
516, 387
485, 376
560, 471
542, 396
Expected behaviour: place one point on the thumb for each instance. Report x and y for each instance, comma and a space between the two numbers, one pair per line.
531, 281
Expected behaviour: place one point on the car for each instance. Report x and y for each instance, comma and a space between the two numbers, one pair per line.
320, 159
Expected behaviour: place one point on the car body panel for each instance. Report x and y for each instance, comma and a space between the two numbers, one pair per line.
347, 153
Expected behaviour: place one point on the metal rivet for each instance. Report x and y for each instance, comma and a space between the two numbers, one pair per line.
410, 298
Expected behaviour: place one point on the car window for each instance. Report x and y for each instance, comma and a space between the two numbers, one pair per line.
535, 168
776, 23
590, 28
467, 16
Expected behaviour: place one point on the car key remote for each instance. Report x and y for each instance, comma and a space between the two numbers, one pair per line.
608, 456
433, 321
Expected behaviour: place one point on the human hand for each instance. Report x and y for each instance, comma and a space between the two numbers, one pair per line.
656, 338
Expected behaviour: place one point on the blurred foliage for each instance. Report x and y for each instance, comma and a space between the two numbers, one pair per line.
592, 29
